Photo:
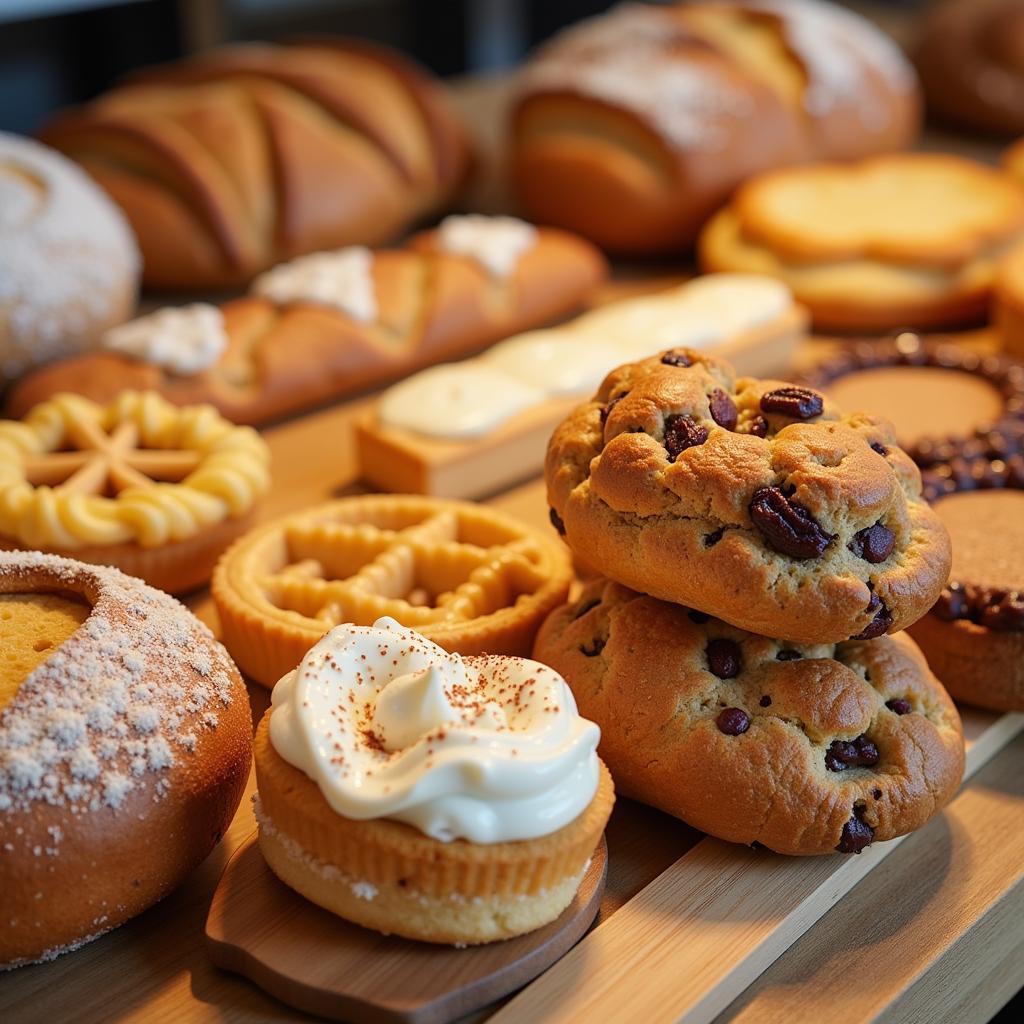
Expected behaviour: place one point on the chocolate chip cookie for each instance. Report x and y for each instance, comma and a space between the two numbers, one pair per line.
805, 749
754, 500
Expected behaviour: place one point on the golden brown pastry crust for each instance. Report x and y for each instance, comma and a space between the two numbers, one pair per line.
640, 668
139, 725
433, 306
632, 128
685, 530
233, 161
861, 254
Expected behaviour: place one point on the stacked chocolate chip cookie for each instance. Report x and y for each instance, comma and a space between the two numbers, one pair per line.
758, 546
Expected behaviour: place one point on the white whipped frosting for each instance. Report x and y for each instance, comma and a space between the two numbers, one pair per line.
341, 280
184, 340
472, 398
496, 243
388, 725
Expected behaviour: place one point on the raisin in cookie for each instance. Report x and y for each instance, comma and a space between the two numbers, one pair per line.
754, 500
803, 749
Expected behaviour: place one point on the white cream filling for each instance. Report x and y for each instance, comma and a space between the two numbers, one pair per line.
184, 340
388, 725
496, 243
341, 280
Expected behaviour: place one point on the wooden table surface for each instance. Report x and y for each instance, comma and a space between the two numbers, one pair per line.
932, 933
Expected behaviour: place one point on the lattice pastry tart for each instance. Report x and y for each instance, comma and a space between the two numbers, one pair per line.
464, 576
139, 484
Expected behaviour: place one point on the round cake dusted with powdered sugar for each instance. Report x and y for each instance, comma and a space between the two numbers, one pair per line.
125, 743
69, 266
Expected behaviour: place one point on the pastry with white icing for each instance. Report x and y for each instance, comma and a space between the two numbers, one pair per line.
69, 266
124, 750
447, 799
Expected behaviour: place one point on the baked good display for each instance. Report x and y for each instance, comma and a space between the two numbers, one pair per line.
69, 267
235, 160
804, 749
466, 577
331, 324
392, 790
124, 750
464, 430
139, 484
632, 128
756, 501
937, 395
905, 240
973, 636
1008, 301
970, 56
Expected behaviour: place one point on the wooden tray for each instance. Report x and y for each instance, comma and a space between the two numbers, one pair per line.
313, 960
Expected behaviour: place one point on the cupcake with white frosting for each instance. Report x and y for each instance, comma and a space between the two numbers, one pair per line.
447, 799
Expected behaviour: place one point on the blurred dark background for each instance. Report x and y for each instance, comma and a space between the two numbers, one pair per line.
57, 52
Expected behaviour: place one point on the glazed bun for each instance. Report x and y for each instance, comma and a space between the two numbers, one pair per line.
125, 743
69, 266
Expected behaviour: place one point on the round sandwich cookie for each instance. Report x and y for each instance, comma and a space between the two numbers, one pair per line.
757, 500
974, 635
938, 396
804, 749
125, 744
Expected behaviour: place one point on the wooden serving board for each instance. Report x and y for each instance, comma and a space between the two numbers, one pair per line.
311, 959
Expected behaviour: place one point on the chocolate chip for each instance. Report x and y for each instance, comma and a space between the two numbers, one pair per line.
899, 706
606, 411
858, 753
556, 521
880, 448
733, 721
723, 409
711, 539
857, 835
877, 794
724, 658
874, 544
1005, 613
595, 647
758, 426
796, 403
787, 527
765, 701
952, 604
879, 624
788, 654
682, 432
677, 357
696, 617
586, 607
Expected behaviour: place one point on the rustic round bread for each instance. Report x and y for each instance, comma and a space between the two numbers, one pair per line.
804, 749
69, 267
754, 500
125, 743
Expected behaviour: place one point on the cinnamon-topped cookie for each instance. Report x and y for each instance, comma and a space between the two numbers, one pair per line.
805, 749
758, 501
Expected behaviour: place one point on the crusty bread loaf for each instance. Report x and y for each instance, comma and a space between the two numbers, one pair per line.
632, 128
432, 305
970, 55
236, 160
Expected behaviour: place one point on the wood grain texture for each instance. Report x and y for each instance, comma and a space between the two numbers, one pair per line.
724, 911
311, 959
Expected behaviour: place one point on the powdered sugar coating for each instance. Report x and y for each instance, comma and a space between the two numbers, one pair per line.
627, 58
108, 714
67, 256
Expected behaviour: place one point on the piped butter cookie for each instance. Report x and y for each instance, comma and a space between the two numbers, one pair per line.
755, 500
805, 749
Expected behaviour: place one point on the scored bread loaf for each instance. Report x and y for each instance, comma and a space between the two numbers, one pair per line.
376, 317
634, 127
233, 161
